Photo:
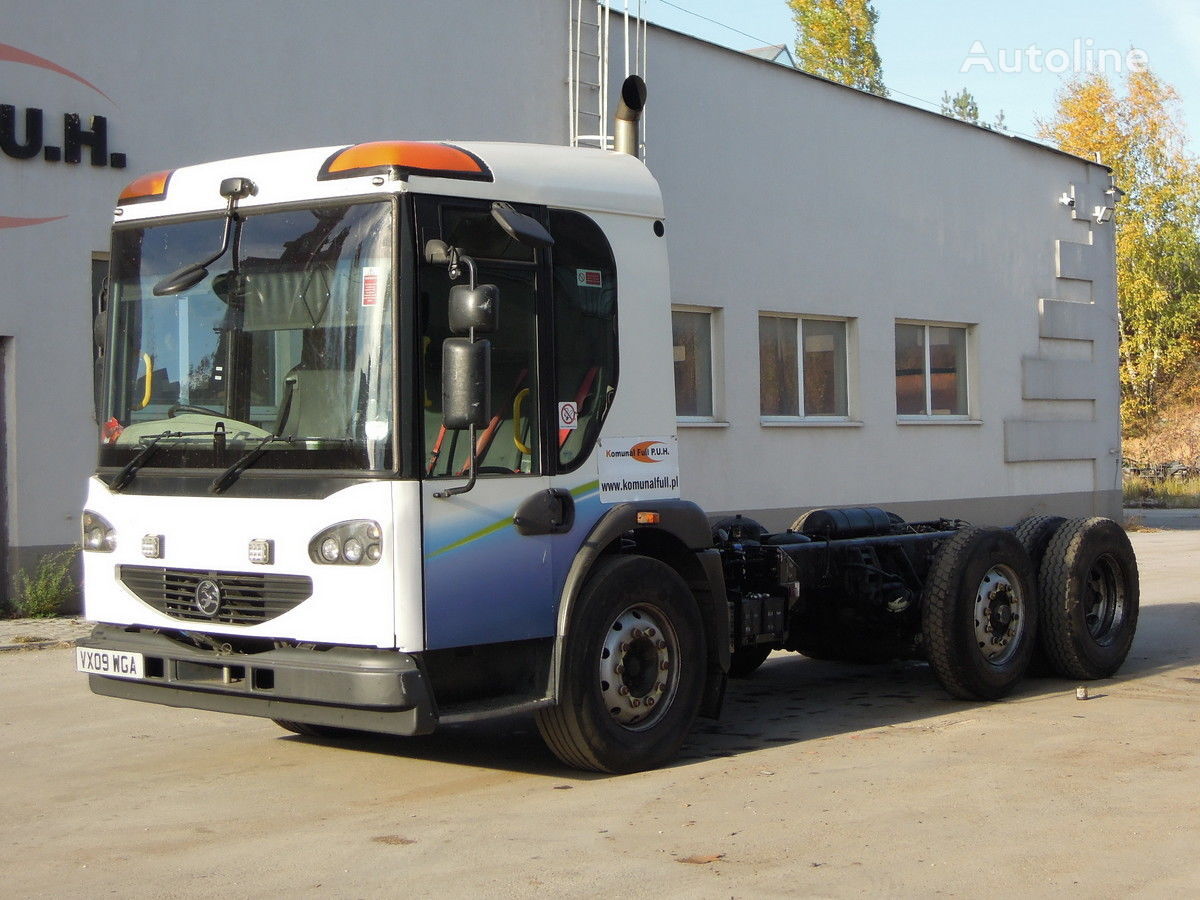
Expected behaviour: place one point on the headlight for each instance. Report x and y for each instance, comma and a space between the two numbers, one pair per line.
330, 549
98, 534
356, 543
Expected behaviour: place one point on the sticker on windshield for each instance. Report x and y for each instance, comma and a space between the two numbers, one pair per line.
592, 278
370, 285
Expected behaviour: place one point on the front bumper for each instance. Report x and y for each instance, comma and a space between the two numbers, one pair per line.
347, 687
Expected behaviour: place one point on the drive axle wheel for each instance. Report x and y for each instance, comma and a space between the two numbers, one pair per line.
1034, 533
1089, 596
632, 669
978, 614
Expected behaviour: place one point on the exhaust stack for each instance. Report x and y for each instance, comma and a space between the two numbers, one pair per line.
626, 135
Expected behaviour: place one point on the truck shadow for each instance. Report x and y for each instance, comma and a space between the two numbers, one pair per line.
792, 699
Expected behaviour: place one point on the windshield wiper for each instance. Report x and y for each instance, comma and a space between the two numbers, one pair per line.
245, 461
126, 474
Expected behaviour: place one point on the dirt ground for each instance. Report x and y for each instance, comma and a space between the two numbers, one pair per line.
821, 780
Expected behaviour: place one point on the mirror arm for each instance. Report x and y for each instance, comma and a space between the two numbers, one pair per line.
457, 261
462, 489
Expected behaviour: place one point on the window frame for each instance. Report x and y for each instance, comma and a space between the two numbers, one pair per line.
713, 315
967, 370
804, 417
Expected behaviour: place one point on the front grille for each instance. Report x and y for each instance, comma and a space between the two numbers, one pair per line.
246, 599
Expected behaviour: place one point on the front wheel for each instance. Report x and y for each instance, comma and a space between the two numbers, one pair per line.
305, 729
632, 669
979, 613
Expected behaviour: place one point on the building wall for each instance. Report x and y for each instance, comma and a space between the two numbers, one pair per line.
785, 193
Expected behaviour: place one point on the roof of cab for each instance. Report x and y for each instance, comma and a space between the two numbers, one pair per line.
576, 178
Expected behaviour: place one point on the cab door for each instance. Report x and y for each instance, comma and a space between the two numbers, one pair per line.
486, 580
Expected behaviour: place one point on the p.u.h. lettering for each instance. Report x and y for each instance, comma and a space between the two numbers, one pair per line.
29, 140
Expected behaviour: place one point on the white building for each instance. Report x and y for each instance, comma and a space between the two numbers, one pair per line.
821, 240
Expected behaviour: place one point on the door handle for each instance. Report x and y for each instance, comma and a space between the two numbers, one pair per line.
547, 512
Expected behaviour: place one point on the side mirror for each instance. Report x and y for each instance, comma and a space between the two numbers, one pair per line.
180, 280
466, 383
100, 331
474, 308
521, 228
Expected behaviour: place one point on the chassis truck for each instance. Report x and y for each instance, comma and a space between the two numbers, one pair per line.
387, 440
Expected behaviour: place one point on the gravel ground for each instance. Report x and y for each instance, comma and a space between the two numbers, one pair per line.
38, 634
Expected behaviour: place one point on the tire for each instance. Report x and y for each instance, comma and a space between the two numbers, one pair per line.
979, 648
1089, 598
634, 619
746, 660
1034, 533
304, 729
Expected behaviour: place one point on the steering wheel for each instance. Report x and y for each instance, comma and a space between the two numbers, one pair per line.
178, 408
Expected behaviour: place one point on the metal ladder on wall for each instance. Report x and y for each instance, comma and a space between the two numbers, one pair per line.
589, 45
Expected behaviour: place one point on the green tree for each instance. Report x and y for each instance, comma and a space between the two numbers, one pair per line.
836, 40
964, 106
961, 106
1139, 135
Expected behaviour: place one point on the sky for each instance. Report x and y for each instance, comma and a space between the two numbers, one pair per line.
929, 47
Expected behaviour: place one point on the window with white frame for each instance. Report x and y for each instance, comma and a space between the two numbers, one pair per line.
931, 370
692, 340
802, 367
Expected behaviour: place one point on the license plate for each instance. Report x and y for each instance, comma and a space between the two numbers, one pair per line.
118, 663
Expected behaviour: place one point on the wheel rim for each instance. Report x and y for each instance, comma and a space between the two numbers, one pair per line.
639, 667
999, 615
1103, 600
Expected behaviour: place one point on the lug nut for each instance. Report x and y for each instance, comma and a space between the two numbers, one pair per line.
623, 690
650, 632
649, 701
664, 665
635, 702
661, 645
636, 633
620, 668
624, 648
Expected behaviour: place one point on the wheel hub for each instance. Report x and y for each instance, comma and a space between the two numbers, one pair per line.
1103, 600
639, 665
998, 615
1001, 615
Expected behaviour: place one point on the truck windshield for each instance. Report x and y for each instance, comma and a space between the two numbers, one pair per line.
287, 342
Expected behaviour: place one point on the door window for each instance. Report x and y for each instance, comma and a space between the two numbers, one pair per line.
585, 333
510, 443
